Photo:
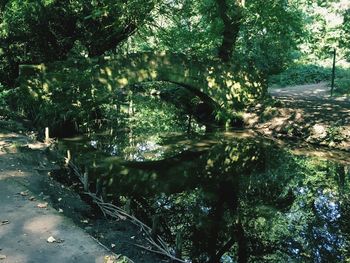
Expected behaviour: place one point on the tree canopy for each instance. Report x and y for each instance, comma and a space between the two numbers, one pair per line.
36, 31
262, 35
257, 36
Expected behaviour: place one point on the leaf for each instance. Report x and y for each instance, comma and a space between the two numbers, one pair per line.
4, 222
42, 205
51, 239
24, 193
2, 257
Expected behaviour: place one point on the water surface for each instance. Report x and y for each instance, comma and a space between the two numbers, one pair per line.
219, 196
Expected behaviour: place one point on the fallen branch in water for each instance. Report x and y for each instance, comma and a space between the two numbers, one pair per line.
113, 211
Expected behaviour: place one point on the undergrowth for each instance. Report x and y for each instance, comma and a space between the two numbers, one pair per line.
309, 74
342, 84
5, 111
301, 74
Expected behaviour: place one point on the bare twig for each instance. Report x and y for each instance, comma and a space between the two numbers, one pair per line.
118, 213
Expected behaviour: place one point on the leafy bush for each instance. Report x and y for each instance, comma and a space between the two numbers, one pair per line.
66, 99
342, 84
5, 94
301, 74
2, 98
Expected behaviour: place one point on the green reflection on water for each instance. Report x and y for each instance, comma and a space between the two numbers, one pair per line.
225, 197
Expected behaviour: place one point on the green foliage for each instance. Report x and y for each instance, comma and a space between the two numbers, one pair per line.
36, 31
301, 74
269, 35
345, 41
334, 134
3, 94
66, 100
259, 37
5, 102
78, 95
325, 29
342, 83
268, 32
152, 115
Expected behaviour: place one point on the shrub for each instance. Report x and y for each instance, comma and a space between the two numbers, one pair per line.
66, 98
301, 74
342, 83
5, 95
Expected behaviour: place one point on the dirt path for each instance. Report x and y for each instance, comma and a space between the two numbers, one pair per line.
311, 91
315, 103
24, 226
307, 112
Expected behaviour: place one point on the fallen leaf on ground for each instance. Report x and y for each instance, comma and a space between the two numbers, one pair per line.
60, 210
2, 257
42, 205
24, 193
32, 198
112, 245
4, 222
51, 239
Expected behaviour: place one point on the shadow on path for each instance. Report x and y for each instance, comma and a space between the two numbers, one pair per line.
307, 112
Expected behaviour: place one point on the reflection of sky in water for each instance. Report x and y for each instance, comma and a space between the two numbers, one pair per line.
327, 207
138, 148
93, 143
323, 236
142, 150
226, 259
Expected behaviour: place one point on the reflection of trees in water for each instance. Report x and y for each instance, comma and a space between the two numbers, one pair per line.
139, 124
197, 197
245, 199
254, 202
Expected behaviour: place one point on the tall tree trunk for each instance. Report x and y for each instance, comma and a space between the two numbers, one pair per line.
231, 17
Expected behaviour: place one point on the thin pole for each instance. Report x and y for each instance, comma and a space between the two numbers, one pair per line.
333, 72
47, 135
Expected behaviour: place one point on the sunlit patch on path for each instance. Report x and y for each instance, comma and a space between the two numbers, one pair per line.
24, 227
307, 112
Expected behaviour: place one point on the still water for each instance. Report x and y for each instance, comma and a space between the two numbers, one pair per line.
219, 196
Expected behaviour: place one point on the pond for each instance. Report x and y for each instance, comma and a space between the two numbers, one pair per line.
217, 196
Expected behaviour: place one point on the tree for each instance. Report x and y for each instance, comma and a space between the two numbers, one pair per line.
261, 35
324, 25
345, 41
36, 31
231, 16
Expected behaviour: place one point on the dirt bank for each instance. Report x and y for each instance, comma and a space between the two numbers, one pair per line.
42, 220
27, 222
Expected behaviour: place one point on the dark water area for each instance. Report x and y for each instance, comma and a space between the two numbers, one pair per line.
219, 196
